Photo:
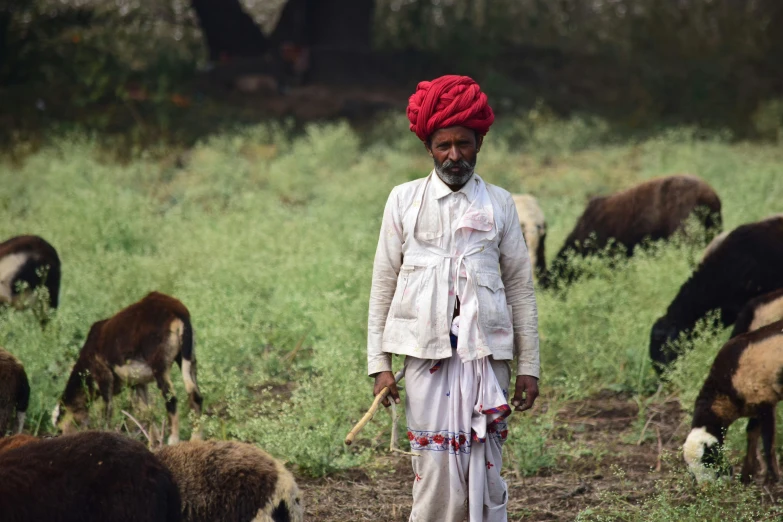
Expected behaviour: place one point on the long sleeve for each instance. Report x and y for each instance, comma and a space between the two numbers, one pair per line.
517, 275
386, 267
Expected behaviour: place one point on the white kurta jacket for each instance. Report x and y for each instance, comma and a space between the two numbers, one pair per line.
413, 276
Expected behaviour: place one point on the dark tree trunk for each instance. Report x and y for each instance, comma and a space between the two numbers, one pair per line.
292, 26
5, 24
342, 24
229, 31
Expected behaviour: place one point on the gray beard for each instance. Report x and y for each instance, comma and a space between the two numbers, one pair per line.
454, 180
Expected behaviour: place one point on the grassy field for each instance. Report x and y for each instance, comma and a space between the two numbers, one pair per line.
269, 239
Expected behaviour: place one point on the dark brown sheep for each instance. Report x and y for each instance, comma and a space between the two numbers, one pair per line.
134, 347
744, 381
86, 477
761, 311
222, 481
30, 261
653, 210
745, 265
14, 392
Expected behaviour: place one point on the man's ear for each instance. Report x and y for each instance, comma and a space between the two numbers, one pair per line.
427, 145
479, 141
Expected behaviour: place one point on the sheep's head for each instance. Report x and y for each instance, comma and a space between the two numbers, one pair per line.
703, 455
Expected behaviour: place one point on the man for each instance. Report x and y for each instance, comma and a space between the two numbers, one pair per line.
452, 290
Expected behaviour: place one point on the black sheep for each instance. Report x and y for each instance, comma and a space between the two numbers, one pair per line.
746, 264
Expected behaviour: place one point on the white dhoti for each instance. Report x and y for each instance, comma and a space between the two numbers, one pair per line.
456, 423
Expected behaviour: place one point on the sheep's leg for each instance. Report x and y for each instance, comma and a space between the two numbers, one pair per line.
105, 379
5, 419
750, 466
195, 400
107, 406
767, 419
20, 416
140, 397
167, 389
140, 403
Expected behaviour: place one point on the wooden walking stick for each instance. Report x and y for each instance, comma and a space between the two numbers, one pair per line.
375, 404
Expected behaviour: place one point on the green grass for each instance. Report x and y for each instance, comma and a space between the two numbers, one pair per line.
676, 500
269, 239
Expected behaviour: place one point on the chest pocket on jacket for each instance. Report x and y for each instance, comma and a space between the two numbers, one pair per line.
493, 310
409, 286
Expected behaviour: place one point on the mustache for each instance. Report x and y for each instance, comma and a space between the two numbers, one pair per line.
462, 164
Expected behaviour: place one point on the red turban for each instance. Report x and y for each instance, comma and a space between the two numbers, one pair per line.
449, 101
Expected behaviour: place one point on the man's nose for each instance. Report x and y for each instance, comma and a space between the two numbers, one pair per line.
455, 154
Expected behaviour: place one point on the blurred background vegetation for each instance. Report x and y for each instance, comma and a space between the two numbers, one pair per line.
142, 71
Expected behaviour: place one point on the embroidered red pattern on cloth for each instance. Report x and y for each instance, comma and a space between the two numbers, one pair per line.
451, 442
439, 441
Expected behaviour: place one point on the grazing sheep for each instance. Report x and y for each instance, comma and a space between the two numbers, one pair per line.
224, 481
761, 311
654, 210
531, 219
717, 240
744, 381
135, 347
30, 260
86, 477
14, 392
745, 265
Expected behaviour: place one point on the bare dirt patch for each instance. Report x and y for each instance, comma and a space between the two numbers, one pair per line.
614, 455
612, 448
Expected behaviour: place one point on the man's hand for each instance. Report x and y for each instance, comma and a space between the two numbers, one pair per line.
525, 393
383, 380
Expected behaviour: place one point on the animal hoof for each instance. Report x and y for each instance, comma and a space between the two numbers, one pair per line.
173, 440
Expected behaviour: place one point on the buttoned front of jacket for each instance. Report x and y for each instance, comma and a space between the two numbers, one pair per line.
422, 264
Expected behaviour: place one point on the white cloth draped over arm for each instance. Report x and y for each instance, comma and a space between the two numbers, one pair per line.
386, 268
517, 275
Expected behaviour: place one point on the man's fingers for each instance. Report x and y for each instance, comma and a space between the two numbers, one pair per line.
394, 393
523, 406
524, 400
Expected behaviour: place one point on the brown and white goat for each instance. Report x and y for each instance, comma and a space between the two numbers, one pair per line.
14, 392
226, 481
86, 477
533, 223
29, 261
136, 346
746, 380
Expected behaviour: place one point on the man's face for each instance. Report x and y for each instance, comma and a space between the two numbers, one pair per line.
454, 151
